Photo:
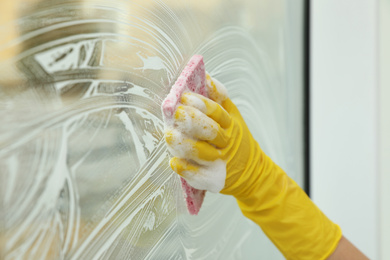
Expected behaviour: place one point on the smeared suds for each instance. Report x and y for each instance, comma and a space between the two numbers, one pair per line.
84, 168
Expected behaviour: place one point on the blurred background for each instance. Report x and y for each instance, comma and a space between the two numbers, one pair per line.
350, 125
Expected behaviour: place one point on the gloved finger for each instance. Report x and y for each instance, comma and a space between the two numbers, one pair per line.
194, 123
182, 146
231, 108
183, 167
208, 107
216, 89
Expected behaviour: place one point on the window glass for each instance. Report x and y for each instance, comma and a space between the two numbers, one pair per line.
83, 164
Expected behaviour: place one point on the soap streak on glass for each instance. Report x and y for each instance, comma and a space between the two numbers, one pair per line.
84, 168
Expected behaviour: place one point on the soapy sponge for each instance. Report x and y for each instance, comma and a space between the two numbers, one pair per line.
193, 79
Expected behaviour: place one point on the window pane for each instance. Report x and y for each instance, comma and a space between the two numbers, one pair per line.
84, 168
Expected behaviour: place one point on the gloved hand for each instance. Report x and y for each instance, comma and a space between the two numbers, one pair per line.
210, 140
214, 150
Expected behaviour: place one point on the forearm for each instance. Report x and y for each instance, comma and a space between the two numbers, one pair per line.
347, 251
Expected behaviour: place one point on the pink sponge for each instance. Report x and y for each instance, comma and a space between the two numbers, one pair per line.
192, 78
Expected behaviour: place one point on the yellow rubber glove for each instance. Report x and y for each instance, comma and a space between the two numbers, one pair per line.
214, 150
